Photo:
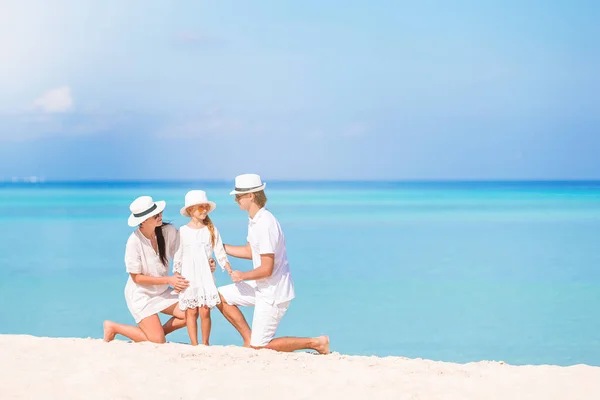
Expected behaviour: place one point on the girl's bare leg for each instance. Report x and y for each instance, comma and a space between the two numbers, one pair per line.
191, 320
205, 324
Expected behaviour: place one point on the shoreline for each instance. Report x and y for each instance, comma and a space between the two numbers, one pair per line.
41, 367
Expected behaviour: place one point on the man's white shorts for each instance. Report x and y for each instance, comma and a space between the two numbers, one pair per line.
266, 316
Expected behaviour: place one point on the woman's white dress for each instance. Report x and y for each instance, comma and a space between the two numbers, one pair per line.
191, 261
141, 258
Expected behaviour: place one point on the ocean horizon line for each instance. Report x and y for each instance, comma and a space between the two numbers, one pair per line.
406, 184
38, 180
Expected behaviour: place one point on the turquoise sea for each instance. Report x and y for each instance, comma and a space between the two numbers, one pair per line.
453, 271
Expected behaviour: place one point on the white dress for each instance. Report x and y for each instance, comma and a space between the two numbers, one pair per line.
140, 258
191, 261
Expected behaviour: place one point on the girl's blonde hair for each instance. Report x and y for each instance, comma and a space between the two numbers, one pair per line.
211, 228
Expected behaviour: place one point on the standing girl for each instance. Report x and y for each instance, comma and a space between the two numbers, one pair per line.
197, 241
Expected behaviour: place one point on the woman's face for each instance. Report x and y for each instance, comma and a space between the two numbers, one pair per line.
199, 211
154, 221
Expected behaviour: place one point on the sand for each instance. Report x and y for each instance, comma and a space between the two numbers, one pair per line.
53, 368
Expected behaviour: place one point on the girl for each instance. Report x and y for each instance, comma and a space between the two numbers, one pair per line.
197, 240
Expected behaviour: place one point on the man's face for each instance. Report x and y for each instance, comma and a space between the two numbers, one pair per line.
244, 200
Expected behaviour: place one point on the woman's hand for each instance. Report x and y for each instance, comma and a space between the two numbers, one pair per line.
213, 264
178, 282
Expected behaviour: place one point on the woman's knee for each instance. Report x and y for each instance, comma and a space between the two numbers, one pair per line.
153, 329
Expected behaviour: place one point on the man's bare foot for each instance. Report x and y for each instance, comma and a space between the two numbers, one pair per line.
246, 344
322, 345
109, 333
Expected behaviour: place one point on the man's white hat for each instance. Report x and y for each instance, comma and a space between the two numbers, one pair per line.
143, 208
195, 197
248, 183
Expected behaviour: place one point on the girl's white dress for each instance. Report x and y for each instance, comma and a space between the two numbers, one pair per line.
191, 261
141, 258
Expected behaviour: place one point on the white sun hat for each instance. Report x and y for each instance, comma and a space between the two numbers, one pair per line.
194, 197
143, 208
248, 183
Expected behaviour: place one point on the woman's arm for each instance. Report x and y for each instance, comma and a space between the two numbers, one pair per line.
177, 281
239, 251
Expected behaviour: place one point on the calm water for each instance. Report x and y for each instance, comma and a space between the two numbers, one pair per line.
446, 271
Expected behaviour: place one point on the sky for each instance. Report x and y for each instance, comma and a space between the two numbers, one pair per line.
299, 90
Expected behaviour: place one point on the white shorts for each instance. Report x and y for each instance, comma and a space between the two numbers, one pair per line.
266, 316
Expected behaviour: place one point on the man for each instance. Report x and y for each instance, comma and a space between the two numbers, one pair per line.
269, 287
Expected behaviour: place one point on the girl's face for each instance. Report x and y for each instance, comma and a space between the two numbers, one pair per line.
244, 200
199, 211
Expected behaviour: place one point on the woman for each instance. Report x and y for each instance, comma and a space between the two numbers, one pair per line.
147, 292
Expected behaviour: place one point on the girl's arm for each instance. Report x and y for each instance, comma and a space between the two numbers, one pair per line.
220, 253
177, 257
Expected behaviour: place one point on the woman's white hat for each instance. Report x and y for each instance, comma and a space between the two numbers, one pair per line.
194, 197
143, 208
248, 183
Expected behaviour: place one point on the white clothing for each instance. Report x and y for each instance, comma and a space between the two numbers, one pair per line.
141, 258
266, 237
270, 296
191, 261
266, 316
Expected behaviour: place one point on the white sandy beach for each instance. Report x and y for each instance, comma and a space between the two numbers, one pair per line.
49, 368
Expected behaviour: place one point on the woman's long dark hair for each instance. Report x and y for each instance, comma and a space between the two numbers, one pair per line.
160, 240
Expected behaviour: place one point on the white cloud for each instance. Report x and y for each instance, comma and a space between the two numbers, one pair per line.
57, 100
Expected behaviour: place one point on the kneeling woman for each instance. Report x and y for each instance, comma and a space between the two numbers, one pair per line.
147, 255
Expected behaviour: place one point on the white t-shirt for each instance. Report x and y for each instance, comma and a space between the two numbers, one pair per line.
266, 237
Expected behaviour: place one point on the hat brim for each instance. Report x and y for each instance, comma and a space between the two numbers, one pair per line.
184, 212
256, 189
135, 221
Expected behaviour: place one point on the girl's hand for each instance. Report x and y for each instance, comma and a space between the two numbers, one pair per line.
178, 282
228, 268
213, 264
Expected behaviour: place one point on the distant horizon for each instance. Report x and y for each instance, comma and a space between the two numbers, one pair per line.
203, 180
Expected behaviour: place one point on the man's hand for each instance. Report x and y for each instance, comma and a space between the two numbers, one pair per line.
213, 264
236, 276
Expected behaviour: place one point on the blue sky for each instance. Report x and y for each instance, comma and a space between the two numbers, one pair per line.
299, 90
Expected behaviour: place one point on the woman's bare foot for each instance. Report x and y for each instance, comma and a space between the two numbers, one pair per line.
322, 345
109, 333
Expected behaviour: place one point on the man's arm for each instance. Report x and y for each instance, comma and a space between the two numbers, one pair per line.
267, 262
239, 251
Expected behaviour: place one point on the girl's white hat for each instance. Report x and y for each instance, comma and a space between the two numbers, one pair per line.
143, 208
248, 183
194, 197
